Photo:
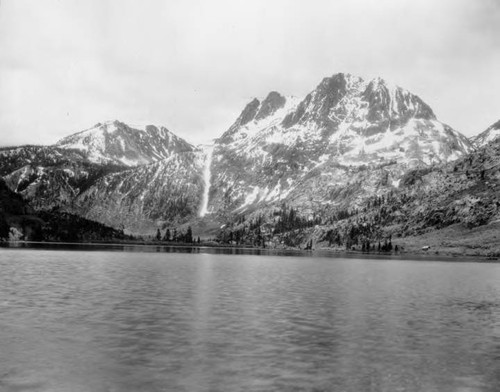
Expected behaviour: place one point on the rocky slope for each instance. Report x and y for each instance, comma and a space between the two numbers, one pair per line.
444, 204
19, 221
118, 143
344, 141
112, 173
167, 192
490, 134
452, 207
48, 176
321, 159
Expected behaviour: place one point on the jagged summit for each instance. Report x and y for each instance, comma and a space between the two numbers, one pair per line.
302, 146
346, 115
270, 105
115, 141
259, 112
369, 107
116, 173
393, 103
345, 141
490, 134
344, 97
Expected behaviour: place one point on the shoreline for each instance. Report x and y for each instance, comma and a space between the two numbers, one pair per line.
440, 255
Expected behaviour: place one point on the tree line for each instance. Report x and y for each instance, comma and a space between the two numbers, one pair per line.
175, 235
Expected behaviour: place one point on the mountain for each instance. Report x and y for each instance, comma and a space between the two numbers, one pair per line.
452, 208
49, 176
118, 143
491, 133
346, 139
139, 199
285, 162
18, 220
113, 173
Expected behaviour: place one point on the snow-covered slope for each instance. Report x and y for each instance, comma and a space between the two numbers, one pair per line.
124, 144
48, 176
112, 173
281, 146
345, 117
347, 140
490, 134
141, 198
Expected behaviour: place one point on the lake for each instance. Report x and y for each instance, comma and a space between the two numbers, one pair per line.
101, 320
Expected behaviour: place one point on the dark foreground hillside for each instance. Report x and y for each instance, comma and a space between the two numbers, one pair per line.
18, 221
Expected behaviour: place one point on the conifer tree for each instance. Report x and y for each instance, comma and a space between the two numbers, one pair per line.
189, 235
4, 228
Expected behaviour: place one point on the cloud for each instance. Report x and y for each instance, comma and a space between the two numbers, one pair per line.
193, 65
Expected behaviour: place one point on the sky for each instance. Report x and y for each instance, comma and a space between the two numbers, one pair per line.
192, 65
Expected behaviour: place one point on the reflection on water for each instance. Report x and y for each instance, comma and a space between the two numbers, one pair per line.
159, 321
158, 248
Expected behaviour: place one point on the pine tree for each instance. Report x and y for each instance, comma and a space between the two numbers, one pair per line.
4, 228
189, 235
167, 235
158, 235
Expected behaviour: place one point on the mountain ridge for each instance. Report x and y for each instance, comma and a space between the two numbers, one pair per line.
343, 143
71, 179
119, 143
345, 121
489, 134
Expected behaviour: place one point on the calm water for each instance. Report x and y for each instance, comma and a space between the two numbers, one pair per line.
130, 321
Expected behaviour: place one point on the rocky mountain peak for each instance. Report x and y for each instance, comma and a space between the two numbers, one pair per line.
256, 112
249, 112
246, 116
318, 105
346, 114
334, 86
345, 98
339, 82
495, 125
490, 134
118, 142
273, 102
349, 139
394, 103
344, 122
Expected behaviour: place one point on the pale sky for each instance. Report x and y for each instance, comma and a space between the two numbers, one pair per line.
192, 65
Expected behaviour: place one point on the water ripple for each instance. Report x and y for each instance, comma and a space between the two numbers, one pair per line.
118, 321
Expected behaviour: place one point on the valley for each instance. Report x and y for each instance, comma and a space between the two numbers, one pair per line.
353, 164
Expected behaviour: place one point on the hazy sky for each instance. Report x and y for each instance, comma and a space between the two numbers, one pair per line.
193, 65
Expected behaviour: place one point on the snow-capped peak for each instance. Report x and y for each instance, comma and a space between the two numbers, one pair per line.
347, 117
130, 145
259, 114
